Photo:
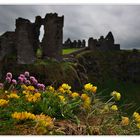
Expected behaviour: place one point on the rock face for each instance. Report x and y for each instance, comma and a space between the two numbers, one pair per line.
24, 41
53, 36
7, 44
102, 43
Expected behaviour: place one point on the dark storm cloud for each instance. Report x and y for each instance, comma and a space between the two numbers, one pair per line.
83, 21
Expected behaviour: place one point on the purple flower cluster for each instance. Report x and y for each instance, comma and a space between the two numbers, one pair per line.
41, 86
9, 78
23, 79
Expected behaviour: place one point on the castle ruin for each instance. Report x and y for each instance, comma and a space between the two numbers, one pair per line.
24, 42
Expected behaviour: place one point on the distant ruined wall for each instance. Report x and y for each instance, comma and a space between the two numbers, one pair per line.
74, 44
102, 43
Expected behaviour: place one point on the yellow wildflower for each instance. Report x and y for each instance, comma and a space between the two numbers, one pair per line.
62, 98
13, 95
61, 90
87, 103
137, 119
114, 108
33, 98
51, 89
94, 89
69, 92
23, 116
24, 87
135, 114
3, 102
138, 125
88, 87
116, 95
125, 121
37, 95
25, 92
31, 88
84, 96
66, 86
44, 120
75, 94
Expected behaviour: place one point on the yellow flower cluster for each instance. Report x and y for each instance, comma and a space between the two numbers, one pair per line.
125, 121
136, 116
74, 95
62, 98
90, 87
13, 95
3, 102
23, 116
66, 86
33, 98
24, 87
87, 101
30, 88
44, 120
116, 95
61, 90
50, 88
114, 108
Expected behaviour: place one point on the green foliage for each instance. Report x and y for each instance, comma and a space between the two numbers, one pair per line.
69, 50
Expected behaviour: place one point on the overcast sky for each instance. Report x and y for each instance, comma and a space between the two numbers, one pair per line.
83, 21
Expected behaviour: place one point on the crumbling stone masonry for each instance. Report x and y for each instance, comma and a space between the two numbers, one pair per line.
53, 36
74, 44
24, 41
7, 44
102, 43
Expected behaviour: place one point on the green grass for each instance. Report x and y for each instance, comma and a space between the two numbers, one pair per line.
69, 50
130, 92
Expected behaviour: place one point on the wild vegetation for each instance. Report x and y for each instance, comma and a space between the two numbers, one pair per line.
30, 107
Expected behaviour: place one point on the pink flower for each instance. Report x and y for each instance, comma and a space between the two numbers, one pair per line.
8, 79
22, 75
35, 81
14, 82
1, 85
9, 74
41, 86
26, 73
32, 78
20, 79
27, 82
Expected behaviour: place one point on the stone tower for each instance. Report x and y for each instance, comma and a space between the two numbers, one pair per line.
24, 41
53, 36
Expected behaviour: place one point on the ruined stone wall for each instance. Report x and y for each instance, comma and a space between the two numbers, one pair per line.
102, 43
53, 36
7, 44
24, 41
74, 44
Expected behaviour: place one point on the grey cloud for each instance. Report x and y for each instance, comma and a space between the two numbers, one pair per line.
83, 21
